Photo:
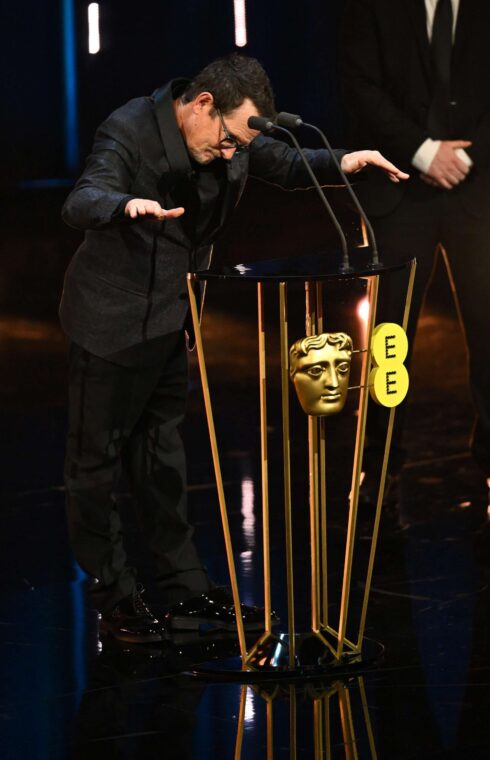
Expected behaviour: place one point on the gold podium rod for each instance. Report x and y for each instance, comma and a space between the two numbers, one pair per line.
318, 739
314, 547
347, 722
217, 468
283, 321
264, 459
372, 292
241, 723
270, 730
311, 329
367, 718
384, 470
323, 483
292, 722
328, 738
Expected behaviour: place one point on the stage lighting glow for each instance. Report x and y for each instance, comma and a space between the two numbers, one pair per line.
70, 87
93, 28
240, 23
363, 310
249, 706
248, 512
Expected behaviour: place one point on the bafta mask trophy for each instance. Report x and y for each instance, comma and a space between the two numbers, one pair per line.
319, 367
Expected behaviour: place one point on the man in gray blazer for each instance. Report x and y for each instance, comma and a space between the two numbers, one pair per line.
163, 178
415, 78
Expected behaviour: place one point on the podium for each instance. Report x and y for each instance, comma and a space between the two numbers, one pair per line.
327, 644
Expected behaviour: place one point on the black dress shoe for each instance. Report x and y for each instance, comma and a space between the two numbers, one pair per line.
132, 621
215, 609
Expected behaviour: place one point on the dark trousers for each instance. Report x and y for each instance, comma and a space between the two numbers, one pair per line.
415, 229
127, 418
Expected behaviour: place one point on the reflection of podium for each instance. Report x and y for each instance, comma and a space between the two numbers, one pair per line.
339, 718
329, 643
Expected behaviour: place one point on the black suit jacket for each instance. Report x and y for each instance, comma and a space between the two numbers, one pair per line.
126, 283
386, 82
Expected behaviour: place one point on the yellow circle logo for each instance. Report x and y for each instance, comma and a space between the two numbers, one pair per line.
388, 379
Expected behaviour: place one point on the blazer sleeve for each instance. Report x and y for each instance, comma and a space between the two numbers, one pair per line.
479, 151
366, 97
278, 163
104, 187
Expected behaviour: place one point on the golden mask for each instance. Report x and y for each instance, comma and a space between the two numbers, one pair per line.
319, 367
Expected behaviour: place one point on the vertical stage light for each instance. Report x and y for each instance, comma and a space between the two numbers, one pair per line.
240, 23
93, 28
70, 126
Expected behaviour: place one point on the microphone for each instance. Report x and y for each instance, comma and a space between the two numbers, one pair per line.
260, 123
293, 121
263, 124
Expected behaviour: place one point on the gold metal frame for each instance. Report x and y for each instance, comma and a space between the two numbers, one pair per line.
335, 640
349, 720
217, 467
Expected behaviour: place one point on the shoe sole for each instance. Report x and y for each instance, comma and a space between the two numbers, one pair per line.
194, 624
107, 630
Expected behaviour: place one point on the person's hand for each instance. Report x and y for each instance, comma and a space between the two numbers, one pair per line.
150, 209
354, 162
447, 170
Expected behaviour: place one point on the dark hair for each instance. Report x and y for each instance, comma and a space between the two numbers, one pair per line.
232, 79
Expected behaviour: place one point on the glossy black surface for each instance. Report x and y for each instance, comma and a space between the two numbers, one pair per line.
322, 265
62, 695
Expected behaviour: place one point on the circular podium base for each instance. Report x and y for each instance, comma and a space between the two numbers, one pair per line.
271, 661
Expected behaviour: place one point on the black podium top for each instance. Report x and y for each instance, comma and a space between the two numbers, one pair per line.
309, 268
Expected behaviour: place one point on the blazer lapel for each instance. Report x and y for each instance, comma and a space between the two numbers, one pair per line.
237, 171
236, 177
179, 181
463, 33
418, 19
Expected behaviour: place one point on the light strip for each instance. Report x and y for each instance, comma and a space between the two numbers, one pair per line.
93, 28
70, 126
240, 23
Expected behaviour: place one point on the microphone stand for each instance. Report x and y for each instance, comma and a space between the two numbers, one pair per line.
292, 121
265, 125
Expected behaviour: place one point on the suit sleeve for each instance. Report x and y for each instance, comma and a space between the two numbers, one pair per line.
366, 98
479, 152
101, 193
278, 163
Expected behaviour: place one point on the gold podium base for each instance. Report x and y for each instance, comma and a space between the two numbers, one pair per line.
271, 661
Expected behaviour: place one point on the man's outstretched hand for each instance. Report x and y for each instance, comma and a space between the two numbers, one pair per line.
354, 162
139, 207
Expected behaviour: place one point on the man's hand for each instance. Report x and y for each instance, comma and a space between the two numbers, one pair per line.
354, 162
151, 209
447, 170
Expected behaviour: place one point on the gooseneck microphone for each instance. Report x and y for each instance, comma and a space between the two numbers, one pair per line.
262, 124
293, 121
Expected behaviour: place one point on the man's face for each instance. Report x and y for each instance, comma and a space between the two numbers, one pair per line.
321, 380
204, 130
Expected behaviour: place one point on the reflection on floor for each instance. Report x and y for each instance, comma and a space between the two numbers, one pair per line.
63, 694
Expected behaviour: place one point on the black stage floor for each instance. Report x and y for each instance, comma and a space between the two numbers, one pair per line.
64, 695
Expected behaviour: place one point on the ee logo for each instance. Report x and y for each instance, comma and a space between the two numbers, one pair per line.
388, 380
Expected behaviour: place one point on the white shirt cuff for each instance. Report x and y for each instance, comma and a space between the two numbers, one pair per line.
424, 156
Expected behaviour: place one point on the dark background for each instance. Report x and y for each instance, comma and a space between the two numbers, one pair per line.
143, 45
431, 593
